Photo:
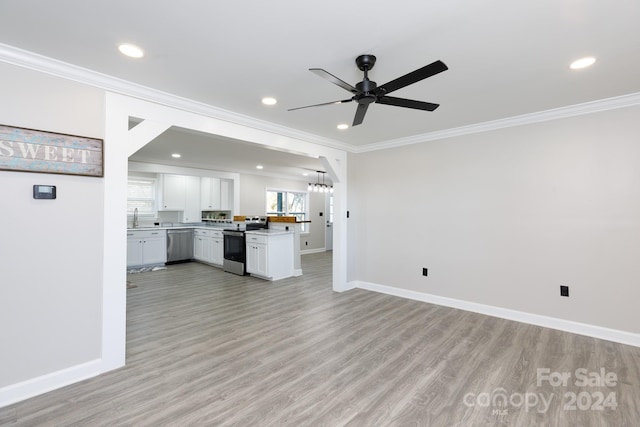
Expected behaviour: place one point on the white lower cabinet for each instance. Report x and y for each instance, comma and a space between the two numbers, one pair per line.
208, 246
269, 255
217, 250
201, 247
146, 247
257, 259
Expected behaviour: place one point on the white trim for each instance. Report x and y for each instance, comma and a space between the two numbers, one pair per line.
44, 64
594, 331
45, 383
350, 285
33, 61
312, 251
525, 119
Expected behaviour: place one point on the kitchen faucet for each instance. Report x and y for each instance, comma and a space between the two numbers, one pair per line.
135, 217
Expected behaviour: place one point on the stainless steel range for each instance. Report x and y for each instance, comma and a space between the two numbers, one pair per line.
235, 245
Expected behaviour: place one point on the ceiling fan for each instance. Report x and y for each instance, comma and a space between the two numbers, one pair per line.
367, 92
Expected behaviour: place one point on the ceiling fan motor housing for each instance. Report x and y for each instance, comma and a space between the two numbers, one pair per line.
366, 90
365, 62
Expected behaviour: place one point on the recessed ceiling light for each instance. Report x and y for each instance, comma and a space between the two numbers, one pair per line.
582, 63
130, 50
343, 126
176, 155
269, 101
259, 167
305, 174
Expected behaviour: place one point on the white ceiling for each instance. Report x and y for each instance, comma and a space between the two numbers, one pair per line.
505, 58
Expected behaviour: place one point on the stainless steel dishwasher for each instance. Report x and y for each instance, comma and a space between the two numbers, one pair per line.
179, 245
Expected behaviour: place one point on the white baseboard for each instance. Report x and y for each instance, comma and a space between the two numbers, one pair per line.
39, 385
312, 251
608, 334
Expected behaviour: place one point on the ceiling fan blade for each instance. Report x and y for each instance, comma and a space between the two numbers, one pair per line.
324, 103
413, 77
408, 103
333, 79
360, 112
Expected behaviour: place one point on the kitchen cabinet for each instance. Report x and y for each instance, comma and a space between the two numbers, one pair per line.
146, 247
226, 194
180, 193
256, 262
208, 246
192, 212
210, 193
172, 192
216, 194
269, 255
202, 248
217, 248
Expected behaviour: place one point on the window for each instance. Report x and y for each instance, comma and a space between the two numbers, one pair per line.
141, 194
288, 203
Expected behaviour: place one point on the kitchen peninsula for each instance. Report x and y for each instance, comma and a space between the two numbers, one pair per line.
270, 253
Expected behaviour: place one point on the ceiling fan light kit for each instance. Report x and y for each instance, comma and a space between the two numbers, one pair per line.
368, 92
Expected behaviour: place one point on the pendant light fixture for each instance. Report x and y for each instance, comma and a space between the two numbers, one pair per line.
320, 187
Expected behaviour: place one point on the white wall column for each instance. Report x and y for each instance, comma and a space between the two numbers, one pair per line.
337, 170
114, 299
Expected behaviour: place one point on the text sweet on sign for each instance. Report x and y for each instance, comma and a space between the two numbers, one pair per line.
29, 150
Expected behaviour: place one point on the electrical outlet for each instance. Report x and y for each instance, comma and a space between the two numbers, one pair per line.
564, 291
424, 271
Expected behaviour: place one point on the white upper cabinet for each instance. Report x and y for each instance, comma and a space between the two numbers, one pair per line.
226, 191
192, 194
172, 192
210, 193
216, 193
192, 211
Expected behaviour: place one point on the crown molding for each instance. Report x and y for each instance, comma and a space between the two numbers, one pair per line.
623, 101
54, 67
36, 62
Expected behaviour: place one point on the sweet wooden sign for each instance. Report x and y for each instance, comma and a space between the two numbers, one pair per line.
29, 150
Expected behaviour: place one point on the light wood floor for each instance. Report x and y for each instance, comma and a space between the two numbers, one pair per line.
206, 347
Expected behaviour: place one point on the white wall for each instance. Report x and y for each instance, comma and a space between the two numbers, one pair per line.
503, 218
51, 251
